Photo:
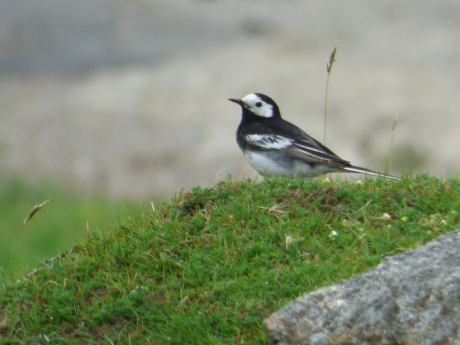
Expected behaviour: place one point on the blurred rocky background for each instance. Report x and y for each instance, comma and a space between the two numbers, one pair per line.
129, 98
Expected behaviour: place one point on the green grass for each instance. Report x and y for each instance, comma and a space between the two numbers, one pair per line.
209, 266
58, 226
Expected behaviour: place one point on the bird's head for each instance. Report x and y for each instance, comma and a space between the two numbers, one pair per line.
258, 104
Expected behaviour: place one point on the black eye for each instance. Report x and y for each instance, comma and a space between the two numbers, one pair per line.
258, 104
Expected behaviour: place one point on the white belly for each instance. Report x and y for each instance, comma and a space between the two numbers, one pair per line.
265, 165
270, 166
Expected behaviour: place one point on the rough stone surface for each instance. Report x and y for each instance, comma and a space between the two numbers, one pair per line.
412, 298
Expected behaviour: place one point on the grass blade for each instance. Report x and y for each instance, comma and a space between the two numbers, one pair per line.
329, 66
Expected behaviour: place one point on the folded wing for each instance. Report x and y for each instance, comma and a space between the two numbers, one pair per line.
304, 148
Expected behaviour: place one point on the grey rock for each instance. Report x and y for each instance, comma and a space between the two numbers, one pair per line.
412, 298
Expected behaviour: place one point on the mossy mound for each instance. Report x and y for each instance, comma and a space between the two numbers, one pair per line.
210, 265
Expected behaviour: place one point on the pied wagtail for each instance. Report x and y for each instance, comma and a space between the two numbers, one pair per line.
276, 147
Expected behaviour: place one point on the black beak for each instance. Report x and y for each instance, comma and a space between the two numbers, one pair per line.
237, 101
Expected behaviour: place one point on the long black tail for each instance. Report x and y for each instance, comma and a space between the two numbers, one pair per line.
360, 170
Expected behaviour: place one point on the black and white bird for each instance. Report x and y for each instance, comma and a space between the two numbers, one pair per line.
276, 147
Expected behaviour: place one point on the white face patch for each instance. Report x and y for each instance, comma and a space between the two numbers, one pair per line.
257, 106
268, 141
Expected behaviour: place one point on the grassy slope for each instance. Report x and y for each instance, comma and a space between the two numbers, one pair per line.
58, 226
207, 267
